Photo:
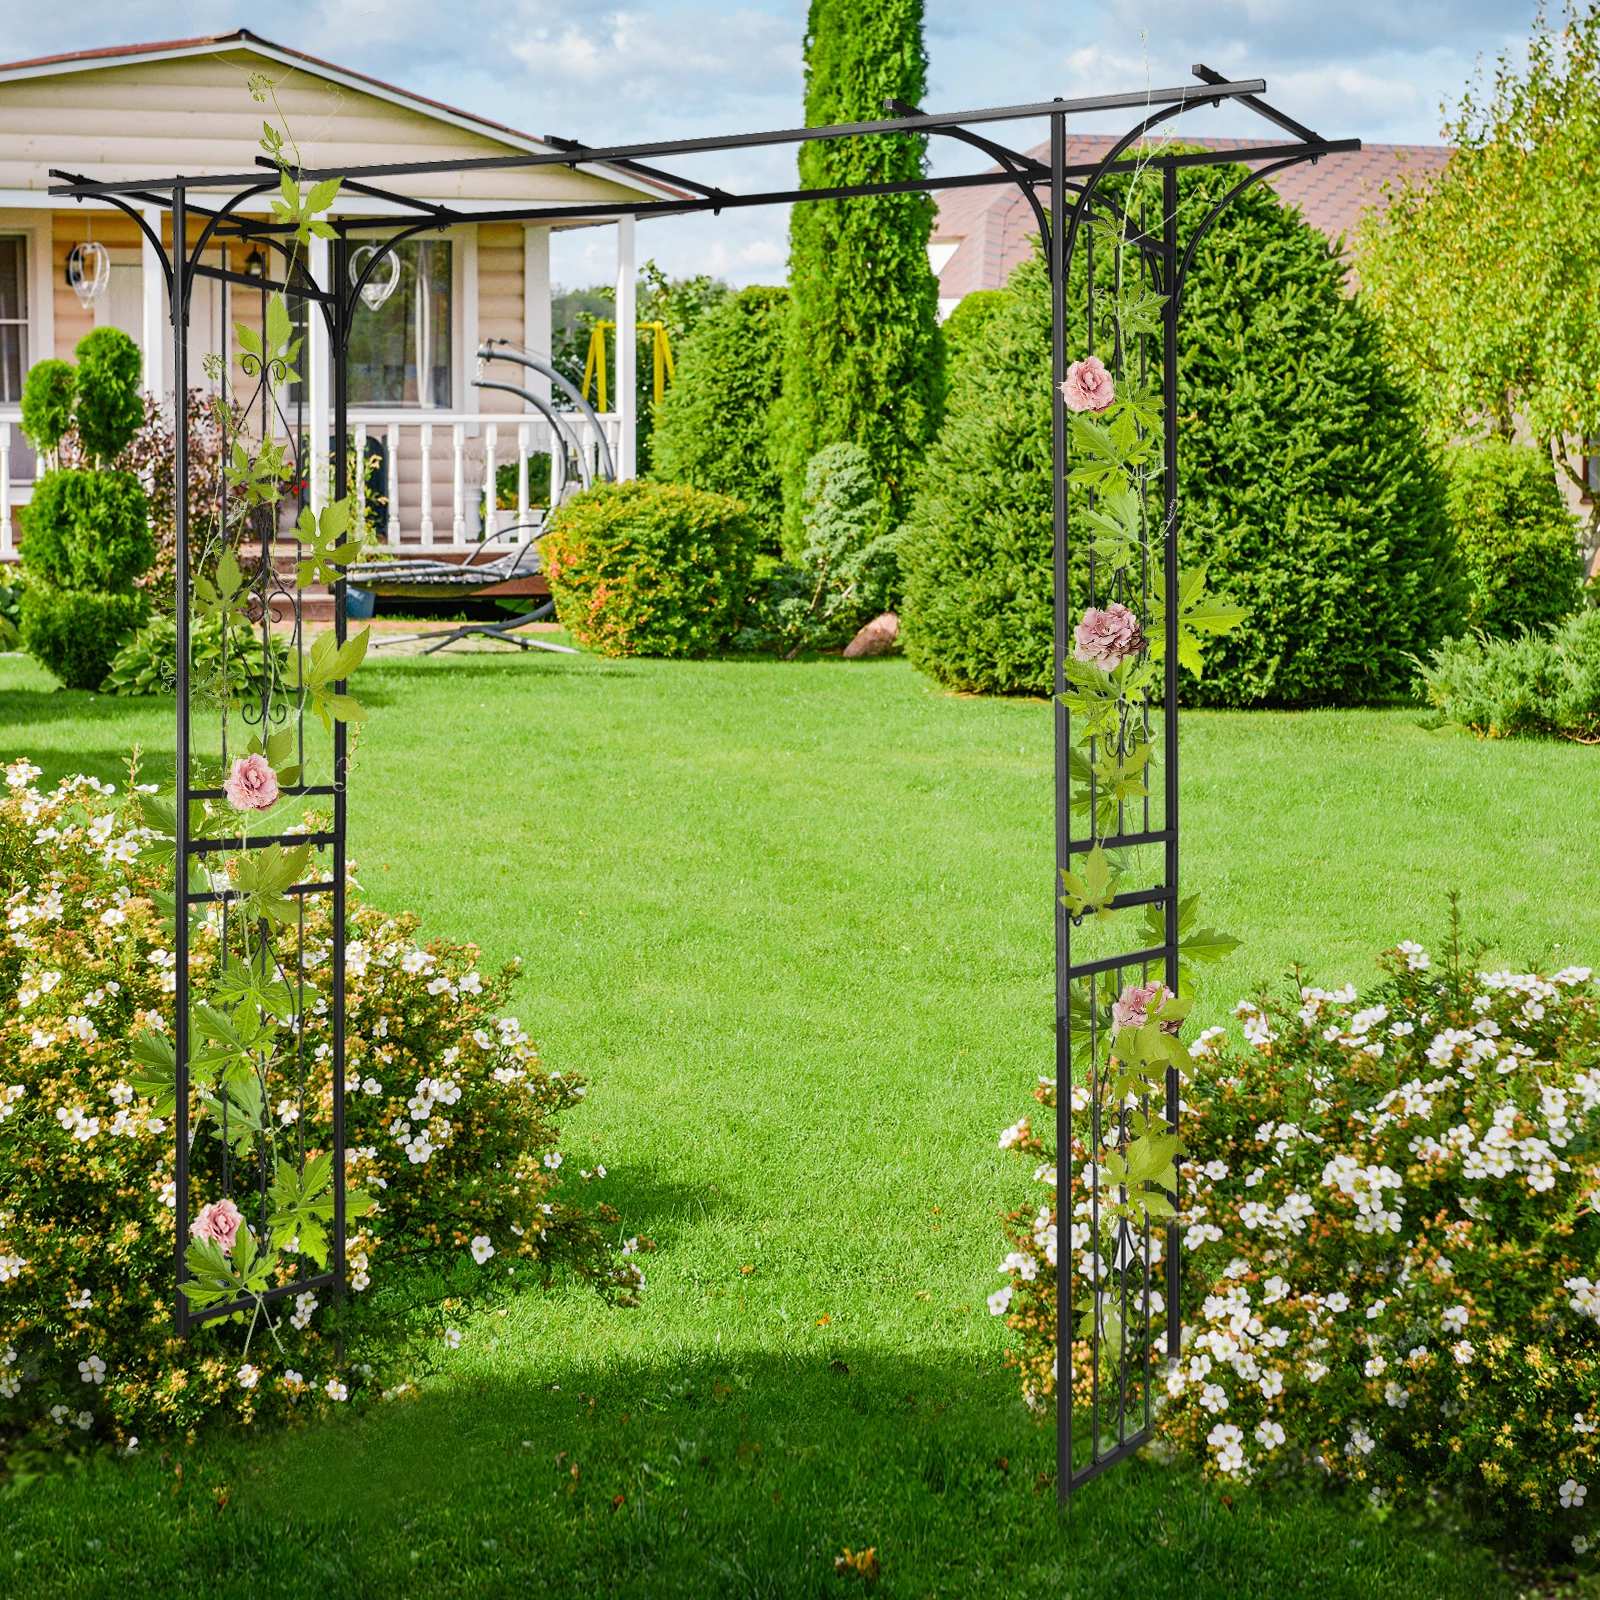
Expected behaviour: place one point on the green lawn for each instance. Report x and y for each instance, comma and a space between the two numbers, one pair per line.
794, 922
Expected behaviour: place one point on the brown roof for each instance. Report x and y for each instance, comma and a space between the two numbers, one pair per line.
993, 226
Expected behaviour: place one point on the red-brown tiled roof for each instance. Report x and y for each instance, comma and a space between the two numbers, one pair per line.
993, 225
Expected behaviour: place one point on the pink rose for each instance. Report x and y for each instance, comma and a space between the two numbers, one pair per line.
220, 1221
1108, 638
252, 785
1088, 386
1137, 1002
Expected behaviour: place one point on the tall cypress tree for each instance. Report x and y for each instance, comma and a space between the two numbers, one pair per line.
863, 359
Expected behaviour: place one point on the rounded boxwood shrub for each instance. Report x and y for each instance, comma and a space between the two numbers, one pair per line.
1516, 537
110, 396
86, 536
714, 426
76, 633
650, 569
1307, 490
88, 530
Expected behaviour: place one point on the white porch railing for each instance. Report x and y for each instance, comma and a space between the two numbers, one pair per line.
439, 464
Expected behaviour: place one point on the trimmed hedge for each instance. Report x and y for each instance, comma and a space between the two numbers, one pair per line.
1516, 536
714, 426
1307, 489
650, 569
88, 530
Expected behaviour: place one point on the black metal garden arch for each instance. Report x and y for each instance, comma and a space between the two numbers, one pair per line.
1117, 1417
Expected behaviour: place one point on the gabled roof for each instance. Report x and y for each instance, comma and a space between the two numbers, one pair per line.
468, 135
991, 227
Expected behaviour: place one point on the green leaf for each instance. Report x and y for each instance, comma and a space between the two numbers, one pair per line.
155, 1071
323, 194
1208, 944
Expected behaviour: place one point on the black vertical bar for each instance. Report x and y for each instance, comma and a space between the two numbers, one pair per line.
1169, 709
340, 331
180, 896
1063, 736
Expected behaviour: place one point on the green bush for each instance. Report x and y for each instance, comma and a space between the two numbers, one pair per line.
1538, 683
847, 572
650, 569
110, 394
714, 426
966, 328
48, 396
148, 662
1306, 488
1516, 536
76, 633
86, 537
88, 530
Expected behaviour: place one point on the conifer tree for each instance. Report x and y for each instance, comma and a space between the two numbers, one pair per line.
863, 355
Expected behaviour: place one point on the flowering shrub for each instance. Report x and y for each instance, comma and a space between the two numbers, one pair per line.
650, 569
1391, 1244
450, 1125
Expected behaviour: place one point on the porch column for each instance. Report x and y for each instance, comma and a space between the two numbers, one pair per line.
627, 342
319, 381
536, 306
154, 325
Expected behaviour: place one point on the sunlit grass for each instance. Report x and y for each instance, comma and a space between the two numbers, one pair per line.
793, 921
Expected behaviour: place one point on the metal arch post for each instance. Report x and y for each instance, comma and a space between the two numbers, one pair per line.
179, 300
339, 351
1063, 791
1169, 688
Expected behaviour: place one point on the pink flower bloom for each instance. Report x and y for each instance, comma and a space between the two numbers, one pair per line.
220, 1221
252, 785
1088, 386
1137, 1002
1108, 638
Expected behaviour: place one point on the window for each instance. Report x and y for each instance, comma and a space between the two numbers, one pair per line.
400, 347
13, 316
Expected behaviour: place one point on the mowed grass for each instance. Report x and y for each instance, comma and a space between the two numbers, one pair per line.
793, 921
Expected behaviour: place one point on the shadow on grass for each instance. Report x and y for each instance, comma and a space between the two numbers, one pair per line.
744, 1476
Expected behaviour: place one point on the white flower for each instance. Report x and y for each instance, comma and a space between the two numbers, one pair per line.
1270, 1433
1375, 1366
1271, 1384
1337, 1301
452, 1338
553, 1160
1572, 1494
1274, 1289
1361, 1442
336, 1390
1580, 1545
93, 1370
249, 1376
372, 1086
1000, 1301
1455, 1319
416, 961
1228, 1442
11, 1267
1416, 956
85, 1420
81, 1301
482, 1249
304, 1305
1015, 1133
1214, 1398
1315, 1371
1580, 1424
1462, 1351
1395, 1396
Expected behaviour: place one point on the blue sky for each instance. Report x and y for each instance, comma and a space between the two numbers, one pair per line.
1378, 69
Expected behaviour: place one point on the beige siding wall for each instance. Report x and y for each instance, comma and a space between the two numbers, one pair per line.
500, 298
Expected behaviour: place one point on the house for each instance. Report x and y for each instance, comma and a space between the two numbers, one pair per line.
185, 106
981, 235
